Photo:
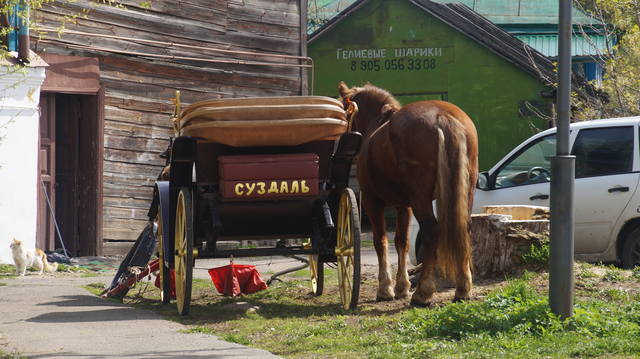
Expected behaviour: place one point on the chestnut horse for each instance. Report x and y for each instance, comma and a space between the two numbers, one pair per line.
410, 156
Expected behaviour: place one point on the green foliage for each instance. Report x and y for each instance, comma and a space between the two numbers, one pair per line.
613, 274
622, 59
538, 254
7, 269
635, 273
516, 322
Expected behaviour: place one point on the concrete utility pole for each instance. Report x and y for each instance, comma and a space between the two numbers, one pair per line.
562, 180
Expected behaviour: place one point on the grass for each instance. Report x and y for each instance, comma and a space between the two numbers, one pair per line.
511, 321
5, 355
7, 271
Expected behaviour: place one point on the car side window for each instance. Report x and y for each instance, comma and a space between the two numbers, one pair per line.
531, 165
604, 151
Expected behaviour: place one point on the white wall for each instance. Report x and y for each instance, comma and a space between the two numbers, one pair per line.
19, 182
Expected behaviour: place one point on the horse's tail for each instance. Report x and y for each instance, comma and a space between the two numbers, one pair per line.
452, 195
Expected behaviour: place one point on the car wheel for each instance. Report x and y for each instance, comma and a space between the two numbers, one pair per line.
631, 250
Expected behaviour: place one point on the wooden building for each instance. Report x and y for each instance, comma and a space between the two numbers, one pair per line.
107, 99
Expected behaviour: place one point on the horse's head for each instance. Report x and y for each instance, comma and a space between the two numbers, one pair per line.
375, 106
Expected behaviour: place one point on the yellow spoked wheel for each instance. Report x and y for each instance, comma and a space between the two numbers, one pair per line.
317, 274
164, 270
348, 249
184, 250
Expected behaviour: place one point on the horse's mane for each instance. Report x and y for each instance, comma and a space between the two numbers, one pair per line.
378, 94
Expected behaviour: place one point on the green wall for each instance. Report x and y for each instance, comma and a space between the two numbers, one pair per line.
448, 66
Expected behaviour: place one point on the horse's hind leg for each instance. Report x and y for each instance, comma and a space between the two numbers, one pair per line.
401, 242
375, 211
463, 278
428, 235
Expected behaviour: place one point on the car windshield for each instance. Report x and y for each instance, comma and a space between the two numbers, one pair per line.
531, 165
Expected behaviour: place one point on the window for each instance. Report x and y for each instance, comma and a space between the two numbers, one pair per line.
532, 165
604, 151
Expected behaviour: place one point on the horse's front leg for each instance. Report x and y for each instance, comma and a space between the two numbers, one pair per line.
401, 241
375, 212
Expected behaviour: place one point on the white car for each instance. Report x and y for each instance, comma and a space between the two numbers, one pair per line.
607, 200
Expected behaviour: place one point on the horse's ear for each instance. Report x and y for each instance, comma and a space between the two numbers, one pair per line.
344, 90
386, 112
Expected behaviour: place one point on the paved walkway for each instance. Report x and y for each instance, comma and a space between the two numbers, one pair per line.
54, 317
47, 317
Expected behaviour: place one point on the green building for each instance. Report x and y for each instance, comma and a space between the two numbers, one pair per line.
419, 50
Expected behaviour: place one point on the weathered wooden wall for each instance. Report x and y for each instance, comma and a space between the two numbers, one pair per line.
139, 89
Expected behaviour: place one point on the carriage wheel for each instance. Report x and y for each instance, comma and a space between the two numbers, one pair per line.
317, 274
348, 249
163, 271
184, 250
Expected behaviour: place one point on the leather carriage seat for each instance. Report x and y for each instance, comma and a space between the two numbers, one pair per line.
264, 121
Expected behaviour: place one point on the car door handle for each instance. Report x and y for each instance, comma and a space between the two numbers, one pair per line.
618, 189
539, 196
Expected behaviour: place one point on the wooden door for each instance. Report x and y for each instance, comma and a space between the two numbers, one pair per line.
47, 170
68, 113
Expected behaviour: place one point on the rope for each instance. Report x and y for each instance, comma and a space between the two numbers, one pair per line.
46, 195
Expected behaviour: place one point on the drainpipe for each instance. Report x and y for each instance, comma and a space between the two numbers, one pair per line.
23, 32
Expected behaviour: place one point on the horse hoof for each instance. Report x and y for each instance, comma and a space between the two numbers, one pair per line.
415, 303
460, 299
402, 296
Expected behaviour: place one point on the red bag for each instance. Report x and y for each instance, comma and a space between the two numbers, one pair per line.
234, 279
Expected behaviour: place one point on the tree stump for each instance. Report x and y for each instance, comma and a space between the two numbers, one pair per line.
499, 242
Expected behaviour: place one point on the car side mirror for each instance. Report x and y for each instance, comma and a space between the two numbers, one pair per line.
483, 181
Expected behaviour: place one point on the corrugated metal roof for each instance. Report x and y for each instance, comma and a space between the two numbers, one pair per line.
504, 12
547, 44
500, 12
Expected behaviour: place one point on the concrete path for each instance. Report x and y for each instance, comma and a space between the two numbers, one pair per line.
53, 317
47, 317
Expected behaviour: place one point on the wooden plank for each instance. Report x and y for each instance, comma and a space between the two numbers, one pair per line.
125, 213
125, 168
125, 202
134, 144
125, 128
132, 19
251, 13
133, 157
132, 122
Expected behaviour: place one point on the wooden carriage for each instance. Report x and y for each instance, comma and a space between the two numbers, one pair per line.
259, 168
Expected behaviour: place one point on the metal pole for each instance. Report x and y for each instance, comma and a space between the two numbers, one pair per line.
562, 180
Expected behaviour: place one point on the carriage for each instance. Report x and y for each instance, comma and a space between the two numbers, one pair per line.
259, 168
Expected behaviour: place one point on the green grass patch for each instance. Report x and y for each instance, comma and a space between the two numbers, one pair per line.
71, 268
513, 321
613, 274
7, 271
5, 355
538, 254
94, 288
516, 322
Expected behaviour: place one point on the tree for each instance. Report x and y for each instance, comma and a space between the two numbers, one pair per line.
621, 60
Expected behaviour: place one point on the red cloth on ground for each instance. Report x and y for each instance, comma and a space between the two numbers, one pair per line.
234, 279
